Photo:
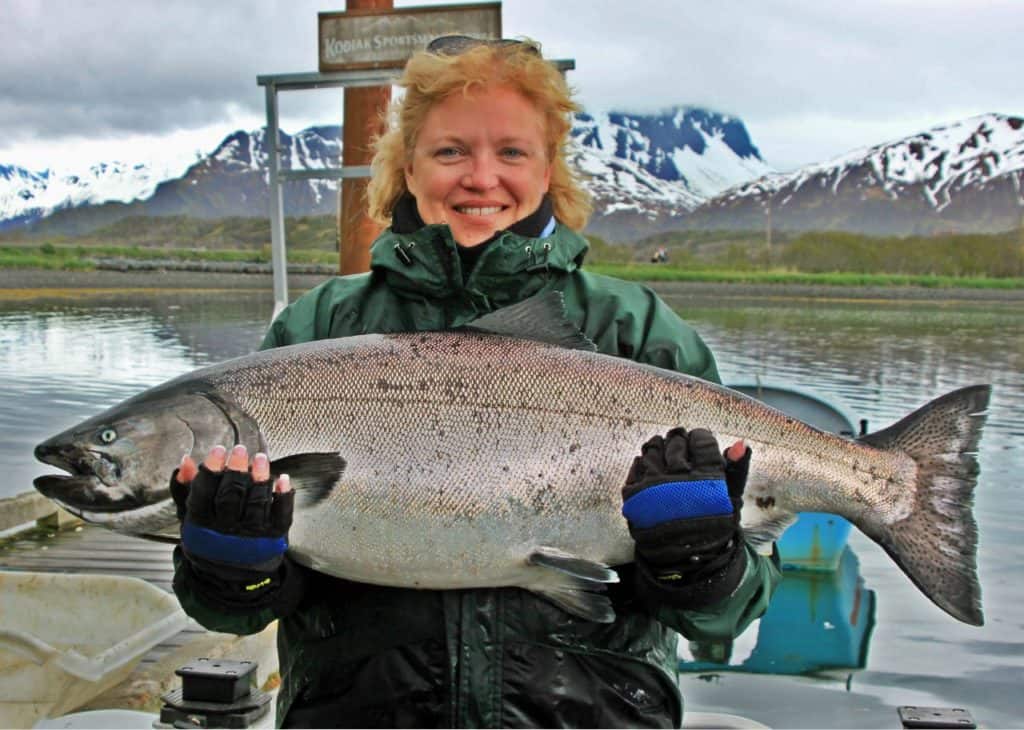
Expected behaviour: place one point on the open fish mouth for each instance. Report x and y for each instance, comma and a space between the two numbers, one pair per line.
81, 463
92, 480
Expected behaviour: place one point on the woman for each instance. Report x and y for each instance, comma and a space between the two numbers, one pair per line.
482, 212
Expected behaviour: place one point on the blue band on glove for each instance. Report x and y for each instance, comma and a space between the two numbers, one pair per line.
213, 545
677, 500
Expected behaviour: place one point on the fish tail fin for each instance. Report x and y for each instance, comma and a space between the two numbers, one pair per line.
936, 544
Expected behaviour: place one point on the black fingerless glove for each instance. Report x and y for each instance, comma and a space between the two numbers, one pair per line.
682, 501
234, 535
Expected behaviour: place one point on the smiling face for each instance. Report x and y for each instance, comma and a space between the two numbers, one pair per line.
480, 163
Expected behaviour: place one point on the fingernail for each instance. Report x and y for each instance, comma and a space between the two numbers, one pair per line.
184, 459
283, 485
215, 459
260, 461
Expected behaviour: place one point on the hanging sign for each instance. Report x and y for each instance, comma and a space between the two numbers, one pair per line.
365, 39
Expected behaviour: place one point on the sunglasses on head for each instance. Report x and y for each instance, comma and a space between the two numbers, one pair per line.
453, 45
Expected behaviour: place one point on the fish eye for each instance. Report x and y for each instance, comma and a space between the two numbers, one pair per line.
108, 435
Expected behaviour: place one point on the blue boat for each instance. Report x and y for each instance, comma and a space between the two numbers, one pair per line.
816, 540
818, 623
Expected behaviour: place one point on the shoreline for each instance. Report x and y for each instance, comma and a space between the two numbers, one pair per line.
43, 283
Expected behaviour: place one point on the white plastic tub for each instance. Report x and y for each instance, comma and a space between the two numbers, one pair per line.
66, 638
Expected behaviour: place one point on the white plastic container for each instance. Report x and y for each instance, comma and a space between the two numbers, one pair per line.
66, 638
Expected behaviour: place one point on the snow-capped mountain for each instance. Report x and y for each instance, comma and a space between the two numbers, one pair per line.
27, 196
644, 171
648, 171
230, 181
964, 176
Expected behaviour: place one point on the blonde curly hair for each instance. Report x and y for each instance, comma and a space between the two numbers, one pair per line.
431, 77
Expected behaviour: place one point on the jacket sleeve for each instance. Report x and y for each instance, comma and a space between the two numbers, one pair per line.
629, 320
729, 617
632, 321
319, 313
213, 618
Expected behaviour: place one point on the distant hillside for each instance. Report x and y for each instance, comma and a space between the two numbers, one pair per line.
962, 177
686, 169
644, 171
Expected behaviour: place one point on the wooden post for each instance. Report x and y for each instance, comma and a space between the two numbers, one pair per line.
362, 121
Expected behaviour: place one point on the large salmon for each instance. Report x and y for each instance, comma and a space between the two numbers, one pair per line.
486, 458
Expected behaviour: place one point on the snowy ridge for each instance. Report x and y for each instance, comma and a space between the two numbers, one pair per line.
702, 151
27, 195
940, 162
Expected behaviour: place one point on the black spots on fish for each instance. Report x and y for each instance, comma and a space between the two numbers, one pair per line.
542, 498
765, 502
441, 433
421, 385
505, 468
573, 448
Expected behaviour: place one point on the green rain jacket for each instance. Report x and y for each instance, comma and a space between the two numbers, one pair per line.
354, 654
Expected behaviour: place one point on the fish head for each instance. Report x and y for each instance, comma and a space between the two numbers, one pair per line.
120, 462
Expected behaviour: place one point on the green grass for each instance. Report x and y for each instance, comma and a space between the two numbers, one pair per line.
661, 272
78, 257
991, 261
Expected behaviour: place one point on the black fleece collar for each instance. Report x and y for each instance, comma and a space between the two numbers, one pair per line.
405, 218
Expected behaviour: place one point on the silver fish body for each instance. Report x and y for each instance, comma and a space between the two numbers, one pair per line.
469, 459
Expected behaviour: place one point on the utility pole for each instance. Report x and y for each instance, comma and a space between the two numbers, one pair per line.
1020, 238
362, 120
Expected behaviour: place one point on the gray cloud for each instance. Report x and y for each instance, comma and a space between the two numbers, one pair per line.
830, 72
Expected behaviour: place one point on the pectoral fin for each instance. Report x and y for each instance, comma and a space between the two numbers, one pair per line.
313, 476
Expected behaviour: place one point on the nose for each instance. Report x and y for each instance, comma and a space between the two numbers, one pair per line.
483, 173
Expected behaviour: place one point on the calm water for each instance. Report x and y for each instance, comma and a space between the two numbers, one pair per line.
62, 361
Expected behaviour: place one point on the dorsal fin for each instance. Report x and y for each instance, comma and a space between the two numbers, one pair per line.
542, 318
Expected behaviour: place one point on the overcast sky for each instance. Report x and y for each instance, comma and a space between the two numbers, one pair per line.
139, 79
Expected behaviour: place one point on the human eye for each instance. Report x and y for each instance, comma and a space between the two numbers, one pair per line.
448, 152
513, 153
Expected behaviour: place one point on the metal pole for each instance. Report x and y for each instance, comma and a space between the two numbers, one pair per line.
362, 120
279, 260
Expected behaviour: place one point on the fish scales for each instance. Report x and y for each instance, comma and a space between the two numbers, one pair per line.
459, 415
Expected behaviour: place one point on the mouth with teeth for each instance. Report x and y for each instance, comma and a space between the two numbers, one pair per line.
479, 210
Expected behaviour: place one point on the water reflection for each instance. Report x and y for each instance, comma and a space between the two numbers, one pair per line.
64, 361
